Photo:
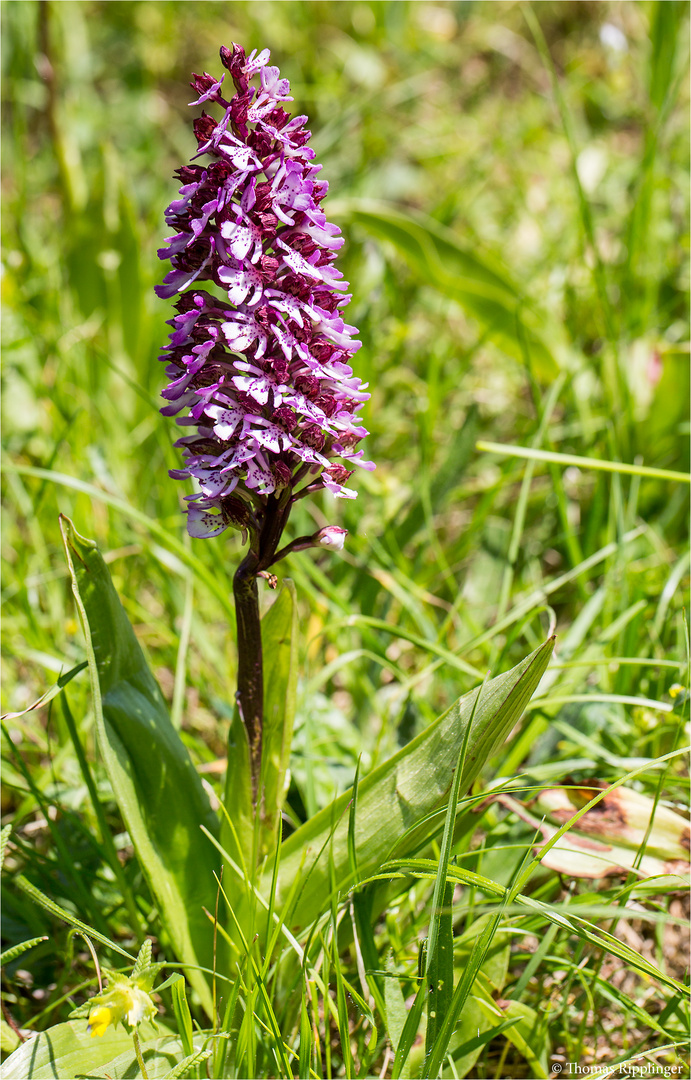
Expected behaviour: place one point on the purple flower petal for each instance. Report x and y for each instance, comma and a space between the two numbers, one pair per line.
202, 524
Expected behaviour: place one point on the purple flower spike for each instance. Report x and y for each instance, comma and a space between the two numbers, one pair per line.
259, 363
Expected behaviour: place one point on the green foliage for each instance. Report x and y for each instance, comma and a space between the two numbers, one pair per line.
393, 810
156, 787
9, 955
67, 1050
280, 634
442, 261
400, 804
182, 1014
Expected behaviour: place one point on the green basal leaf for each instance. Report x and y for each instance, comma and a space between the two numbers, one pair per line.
280, 647
396, 1011
439, 975
159, 794
402, 792
66, 1050
9, 1040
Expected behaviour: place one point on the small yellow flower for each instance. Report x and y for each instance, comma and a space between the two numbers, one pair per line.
99, 1019
123, 1000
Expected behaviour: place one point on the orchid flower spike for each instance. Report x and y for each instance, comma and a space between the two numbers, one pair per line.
259, 354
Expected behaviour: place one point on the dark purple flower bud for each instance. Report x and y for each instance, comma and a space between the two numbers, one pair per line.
286, 417
308, 385
234, 61
313, 436
338, 474
268, 263
260, 375
282, 473
204, 127
239, 108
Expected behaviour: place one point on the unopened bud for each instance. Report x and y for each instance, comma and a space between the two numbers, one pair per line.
331, 537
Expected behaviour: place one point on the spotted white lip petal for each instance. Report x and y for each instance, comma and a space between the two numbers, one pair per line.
202, 524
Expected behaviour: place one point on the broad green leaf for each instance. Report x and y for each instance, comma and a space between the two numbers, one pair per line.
396, 1011
395, 798
238, 826
441, 259
159, 794
67, 1050
467, 1042
9, 1040
527, 1033
280, 648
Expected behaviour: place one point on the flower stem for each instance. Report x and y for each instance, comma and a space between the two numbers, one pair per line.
250, 692
138, 1052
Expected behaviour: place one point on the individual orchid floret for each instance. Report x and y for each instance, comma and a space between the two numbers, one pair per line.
331, 537
259, 356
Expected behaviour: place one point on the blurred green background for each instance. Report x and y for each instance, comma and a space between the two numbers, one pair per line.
545, 148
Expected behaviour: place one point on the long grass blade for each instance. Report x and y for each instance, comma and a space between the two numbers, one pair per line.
531, 453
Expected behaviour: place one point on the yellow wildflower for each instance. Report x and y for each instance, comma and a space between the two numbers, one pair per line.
99, 1019
125, 1000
